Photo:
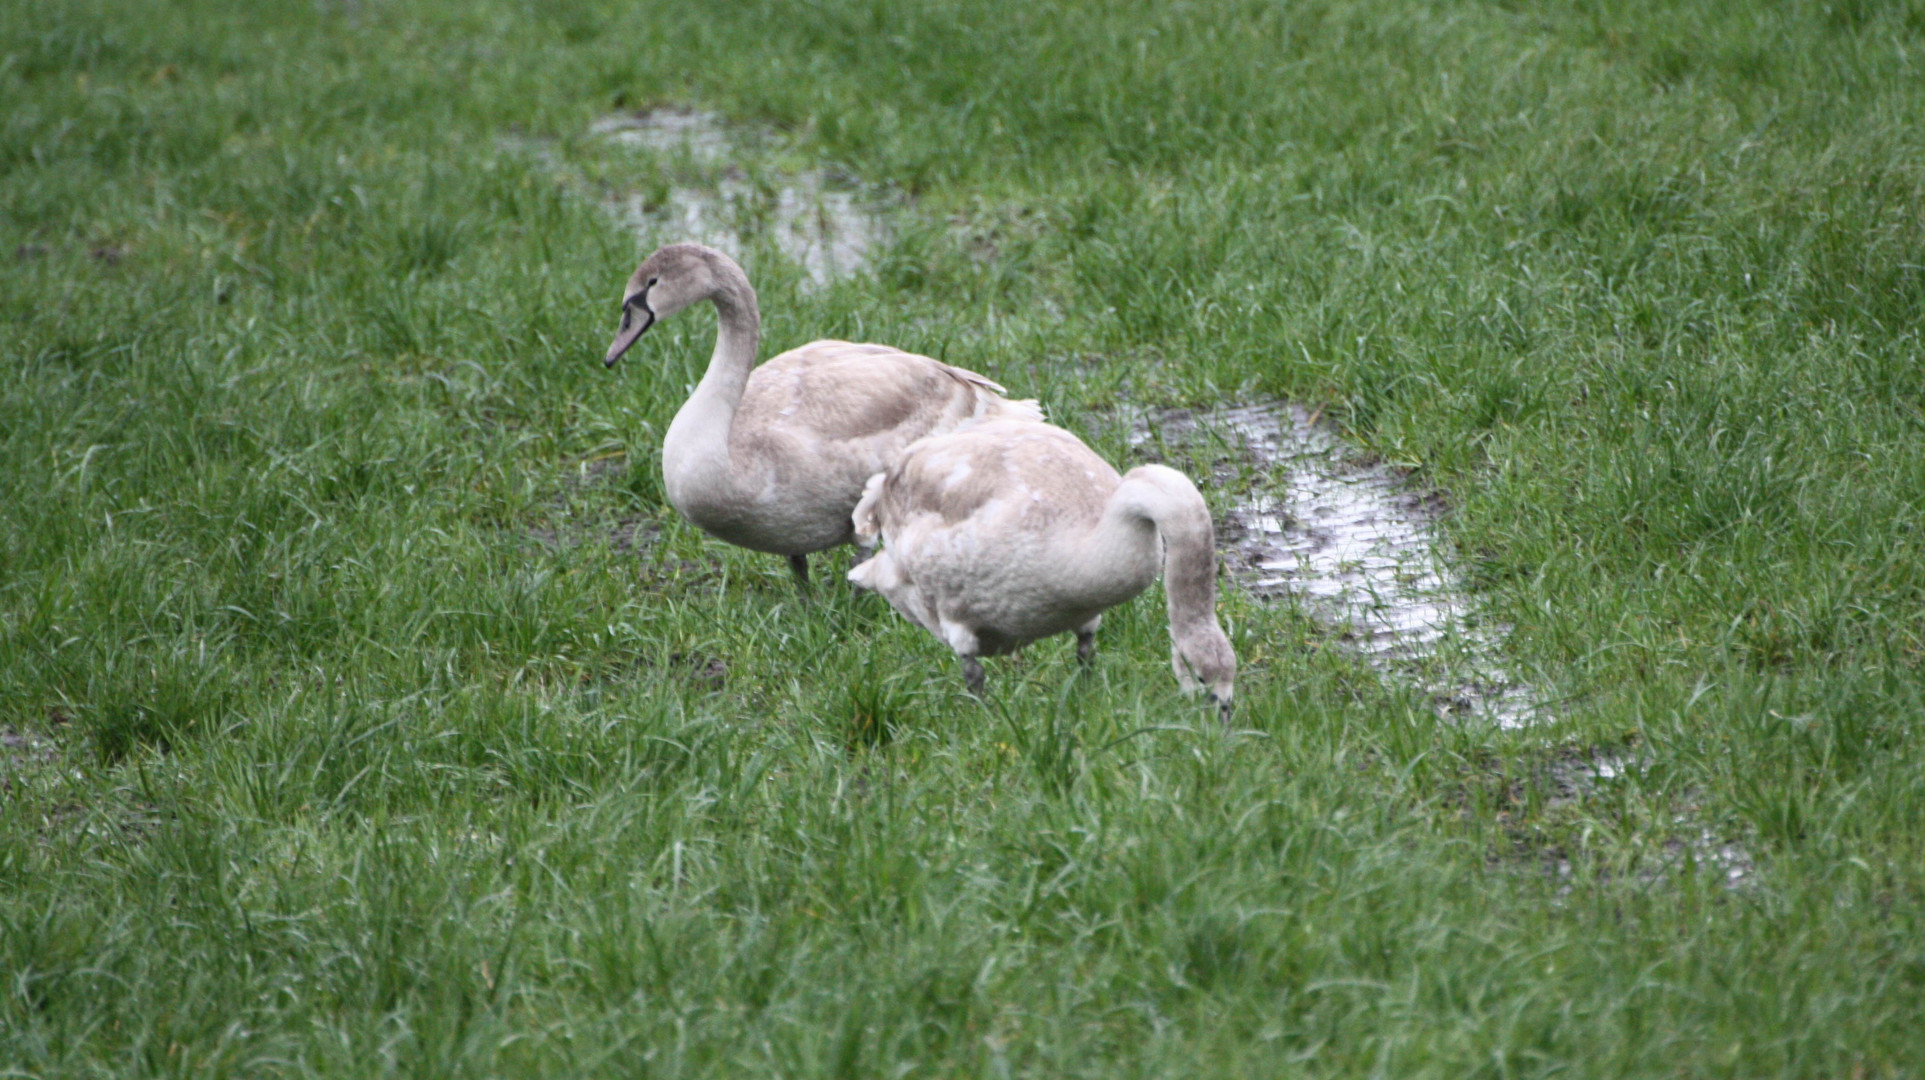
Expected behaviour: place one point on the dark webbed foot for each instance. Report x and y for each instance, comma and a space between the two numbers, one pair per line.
799, 566
973, 675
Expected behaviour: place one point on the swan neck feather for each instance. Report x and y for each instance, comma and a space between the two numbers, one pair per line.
1165, 498
696, 463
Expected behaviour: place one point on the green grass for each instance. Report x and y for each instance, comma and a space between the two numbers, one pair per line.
372, 723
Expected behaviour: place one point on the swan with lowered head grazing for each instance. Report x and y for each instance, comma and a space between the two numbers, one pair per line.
774, 458
1003, 533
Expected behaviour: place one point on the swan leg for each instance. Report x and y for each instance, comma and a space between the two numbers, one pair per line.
799, 566
1086, 642
962, 639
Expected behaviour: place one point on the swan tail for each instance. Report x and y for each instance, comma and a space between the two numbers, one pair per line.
863, 574
993, 401
866, 518
879, 574
1017, 409
973, 379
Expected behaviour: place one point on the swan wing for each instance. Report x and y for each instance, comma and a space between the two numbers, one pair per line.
833, 392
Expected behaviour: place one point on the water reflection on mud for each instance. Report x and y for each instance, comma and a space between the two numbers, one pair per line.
816, 218
1311, 521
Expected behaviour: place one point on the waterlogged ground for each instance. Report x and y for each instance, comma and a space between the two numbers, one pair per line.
1348, 539
673, 174
1308, 520
817, 219
364, 710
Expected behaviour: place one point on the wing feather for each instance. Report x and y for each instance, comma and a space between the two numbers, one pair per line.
842, 391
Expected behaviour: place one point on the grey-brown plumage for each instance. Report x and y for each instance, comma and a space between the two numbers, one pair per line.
1003, 533
774, 458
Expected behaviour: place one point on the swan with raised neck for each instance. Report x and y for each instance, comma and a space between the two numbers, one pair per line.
1002, 533
774, 458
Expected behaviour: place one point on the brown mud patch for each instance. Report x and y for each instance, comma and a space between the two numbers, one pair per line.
45, 787
572, 518
1548, 802
24, 755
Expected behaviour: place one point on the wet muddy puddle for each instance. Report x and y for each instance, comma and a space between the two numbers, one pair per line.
1306, 519
1575, 776
24, 755
685, 174
1309, 520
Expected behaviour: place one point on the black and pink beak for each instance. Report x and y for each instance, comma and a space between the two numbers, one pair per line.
637, 317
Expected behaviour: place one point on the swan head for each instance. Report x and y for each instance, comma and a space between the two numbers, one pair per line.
671, 279
1203, 660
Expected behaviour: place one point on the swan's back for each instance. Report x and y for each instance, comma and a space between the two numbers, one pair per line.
816, 422
843, 392
988, 531
1005, 478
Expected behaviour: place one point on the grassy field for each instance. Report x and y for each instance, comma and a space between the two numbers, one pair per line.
366, 712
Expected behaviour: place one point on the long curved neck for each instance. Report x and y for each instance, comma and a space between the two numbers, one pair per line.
1155, 502
695, 450
1168, 501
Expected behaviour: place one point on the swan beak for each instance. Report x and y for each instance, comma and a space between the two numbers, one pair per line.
1223, 709
628, 337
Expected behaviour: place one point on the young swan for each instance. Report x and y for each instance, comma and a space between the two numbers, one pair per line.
1003, 533
773, 458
